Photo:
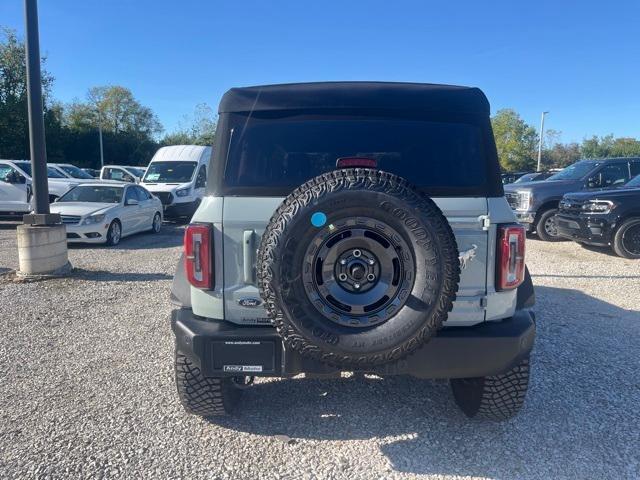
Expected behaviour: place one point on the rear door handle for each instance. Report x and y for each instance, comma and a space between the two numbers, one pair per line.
248, 256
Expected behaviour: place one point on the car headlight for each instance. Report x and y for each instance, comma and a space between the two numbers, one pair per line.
525, 199
183, 192
598, 206
92, 219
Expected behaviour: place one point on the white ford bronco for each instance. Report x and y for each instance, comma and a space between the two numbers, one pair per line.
354, 226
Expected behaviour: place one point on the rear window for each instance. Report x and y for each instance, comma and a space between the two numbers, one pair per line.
286, 153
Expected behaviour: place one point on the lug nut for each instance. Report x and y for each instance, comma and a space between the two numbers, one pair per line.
343, 262
371, 277
356, 285
357, 253
342, 277
371, 261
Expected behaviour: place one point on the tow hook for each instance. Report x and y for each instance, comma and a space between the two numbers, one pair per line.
243, 382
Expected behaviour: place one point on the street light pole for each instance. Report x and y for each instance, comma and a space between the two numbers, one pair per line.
36, 117
42, 239
540, 142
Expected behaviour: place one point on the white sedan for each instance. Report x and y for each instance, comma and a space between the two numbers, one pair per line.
104, 213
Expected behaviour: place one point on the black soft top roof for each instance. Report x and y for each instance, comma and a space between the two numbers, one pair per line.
355, 95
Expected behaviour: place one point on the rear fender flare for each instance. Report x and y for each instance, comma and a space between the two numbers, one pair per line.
526, 296
180, 288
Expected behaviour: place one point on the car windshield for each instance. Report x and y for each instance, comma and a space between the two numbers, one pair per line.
575, 171
138, 172
93, 194
51, 171
170, 172
74, 171
285, 153
527, 178
634, 182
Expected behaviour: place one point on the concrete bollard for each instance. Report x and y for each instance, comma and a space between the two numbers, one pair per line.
42, 250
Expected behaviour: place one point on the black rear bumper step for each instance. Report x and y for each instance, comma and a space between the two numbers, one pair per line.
222, 348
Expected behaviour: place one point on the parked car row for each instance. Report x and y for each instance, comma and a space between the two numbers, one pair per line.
121, 201
520, 177
595, 202
15, 185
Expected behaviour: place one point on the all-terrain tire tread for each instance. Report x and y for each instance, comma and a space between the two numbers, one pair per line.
497, 397
207, 397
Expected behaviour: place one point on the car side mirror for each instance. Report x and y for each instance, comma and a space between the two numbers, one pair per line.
132, 201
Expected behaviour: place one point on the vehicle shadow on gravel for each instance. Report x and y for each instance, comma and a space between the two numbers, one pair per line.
579, 415
9, 223
106, 276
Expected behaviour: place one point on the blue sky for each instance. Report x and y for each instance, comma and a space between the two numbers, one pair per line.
579, 60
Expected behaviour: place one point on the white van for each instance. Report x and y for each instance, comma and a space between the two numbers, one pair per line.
15, 185
177, 175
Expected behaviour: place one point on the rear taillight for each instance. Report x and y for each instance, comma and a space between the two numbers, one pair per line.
510, 256
198, 252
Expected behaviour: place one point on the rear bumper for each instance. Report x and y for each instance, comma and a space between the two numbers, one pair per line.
224, 349
593, 230
186, 209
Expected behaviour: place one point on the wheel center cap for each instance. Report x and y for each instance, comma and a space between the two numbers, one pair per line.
357, 271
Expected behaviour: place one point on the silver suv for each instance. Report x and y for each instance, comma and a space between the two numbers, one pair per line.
354, 226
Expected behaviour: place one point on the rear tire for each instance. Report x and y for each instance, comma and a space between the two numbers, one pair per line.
199, 395
546, 226
497, 397
626, 242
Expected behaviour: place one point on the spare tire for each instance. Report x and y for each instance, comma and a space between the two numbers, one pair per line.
357, 268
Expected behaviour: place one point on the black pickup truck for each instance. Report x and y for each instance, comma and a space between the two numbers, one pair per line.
536, 203
609, 217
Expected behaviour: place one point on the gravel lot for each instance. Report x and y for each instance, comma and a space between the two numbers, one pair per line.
87, 390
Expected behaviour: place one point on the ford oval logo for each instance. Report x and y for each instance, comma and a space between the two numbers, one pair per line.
250, 302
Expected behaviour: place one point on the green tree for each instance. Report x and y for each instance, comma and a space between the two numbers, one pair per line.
201, 129
561, 155
14, 122
597, 147
129, 128
625, 147
609, 146
116, 110
515, 141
